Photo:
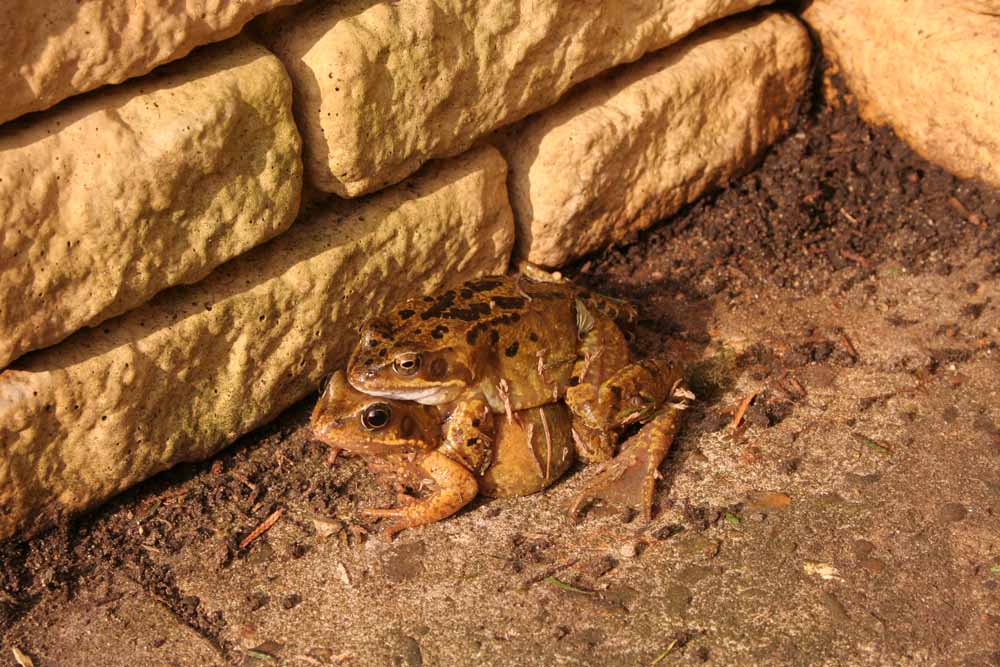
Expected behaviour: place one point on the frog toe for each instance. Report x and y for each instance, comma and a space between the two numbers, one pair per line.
630, 478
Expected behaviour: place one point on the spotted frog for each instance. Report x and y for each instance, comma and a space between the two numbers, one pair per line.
414, 444
504, 344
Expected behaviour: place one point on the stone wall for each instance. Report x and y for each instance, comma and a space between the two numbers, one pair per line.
162, 293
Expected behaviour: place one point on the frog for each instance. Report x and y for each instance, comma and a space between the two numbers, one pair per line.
413, 444
506, 343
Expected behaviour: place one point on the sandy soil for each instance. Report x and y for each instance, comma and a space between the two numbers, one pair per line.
845, 291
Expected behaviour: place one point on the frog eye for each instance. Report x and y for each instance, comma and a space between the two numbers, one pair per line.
376, 416
406, 363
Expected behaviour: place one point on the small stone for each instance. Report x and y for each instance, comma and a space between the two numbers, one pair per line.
590, 636
862, 549
291, 601
764, 501
952, 512
838, 614
677, 598
413, 655
257, 600
873, 565
599, 566
691, 575
696, 545
405, 562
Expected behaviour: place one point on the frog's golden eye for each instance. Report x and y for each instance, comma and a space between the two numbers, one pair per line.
376, 416
406, 363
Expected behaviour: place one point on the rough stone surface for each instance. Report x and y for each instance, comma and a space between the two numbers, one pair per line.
382, 86
117, 195
928, 68
631, 148
54, 50
177, 379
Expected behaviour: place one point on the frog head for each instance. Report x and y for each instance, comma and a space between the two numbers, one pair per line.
350, 420
430, 362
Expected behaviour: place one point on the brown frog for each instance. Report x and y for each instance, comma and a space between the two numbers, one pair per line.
414, 443
507, 343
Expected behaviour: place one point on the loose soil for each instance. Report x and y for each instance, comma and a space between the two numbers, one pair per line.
833, 499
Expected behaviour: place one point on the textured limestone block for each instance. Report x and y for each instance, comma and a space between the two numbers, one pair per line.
928, 68
115, 196
631, 148
54, 50
384, 86
182, 376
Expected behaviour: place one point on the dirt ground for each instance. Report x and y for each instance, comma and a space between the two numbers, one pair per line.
845, 293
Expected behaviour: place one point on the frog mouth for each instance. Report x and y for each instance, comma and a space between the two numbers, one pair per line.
426, 395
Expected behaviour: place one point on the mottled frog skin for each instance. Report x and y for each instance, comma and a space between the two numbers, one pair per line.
503, 344
414, 443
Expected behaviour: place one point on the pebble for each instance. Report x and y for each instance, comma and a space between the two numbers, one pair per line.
677, 599
862, 549
951, 512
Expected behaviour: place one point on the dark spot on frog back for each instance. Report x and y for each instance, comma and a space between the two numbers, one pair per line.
439, 331
406, 313
509, 302
483, 285
512, 349
439, 305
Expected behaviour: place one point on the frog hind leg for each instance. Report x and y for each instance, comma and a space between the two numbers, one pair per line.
630, 478
455, 487
603, 353
631, 395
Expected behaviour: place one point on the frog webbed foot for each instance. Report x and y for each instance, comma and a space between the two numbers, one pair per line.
630, 478
454, 487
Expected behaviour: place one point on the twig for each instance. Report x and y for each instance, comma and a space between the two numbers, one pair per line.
568, 587
853, 351
744, 405
550, 571
854, 257
664, 654
798, 385
262, 528
966, 213
847, 215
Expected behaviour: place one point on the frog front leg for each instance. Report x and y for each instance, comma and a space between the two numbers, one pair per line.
468, 434
455, 487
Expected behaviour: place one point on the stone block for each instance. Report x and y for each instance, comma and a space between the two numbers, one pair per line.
632, 147
382, 87
54, 50
184, 375
928, 68
117, 195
